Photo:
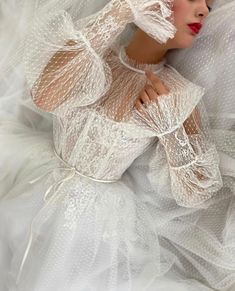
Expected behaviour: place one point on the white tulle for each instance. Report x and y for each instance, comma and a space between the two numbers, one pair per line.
78, 79
63, 226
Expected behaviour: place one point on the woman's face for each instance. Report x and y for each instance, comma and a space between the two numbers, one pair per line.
189, 18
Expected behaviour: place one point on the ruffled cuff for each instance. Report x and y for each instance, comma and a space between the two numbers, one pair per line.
154, 17
170, 111
194, 167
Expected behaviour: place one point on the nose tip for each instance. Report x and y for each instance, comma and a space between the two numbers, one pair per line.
203, 11
203, 14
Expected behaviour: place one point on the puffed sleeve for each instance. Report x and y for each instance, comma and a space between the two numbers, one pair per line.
65, 59
180, 122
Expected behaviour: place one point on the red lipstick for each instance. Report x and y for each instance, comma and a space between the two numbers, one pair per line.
195, 27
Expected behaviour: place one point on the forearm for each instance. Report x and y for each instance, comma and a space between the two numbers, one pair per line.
194, 166
107, 25
177, 120
49, 81
67, 60
98, 34
193, 124
80, 54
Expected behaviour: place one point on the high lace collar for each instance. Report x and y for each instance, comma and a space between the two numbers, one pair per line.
139, 67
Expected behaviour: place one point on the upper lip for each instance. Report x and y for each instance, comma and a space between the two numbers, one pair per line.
196, 26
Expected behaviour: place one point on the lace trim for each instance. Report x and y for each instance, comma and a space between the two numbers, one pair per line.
139, 67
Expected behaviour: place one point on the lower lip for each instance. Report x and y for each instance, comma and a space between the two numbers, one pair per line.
194, 29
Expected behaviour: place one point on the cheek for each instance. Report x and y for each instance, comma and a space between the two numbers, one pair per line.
180, 11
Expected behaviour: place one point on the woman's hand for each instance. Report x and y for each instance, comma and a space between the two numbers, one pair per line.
151, 92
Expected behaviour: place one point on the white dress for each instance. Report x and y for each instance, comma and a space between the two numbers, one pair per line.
71, 219
89, 231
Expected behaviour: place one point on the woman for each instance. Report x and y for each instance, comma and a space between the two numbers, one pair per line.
202, 239
73, 222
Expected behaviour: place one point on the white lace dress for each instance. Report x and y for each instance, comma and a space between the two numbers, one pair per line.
71, 219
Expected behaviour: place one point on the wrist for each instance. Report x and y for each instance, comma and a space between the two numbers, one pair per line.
179, 150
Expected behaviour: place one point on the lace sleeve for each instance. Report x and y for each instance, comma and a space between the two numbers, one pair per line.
193, 161
64, 64
64, 59
183, 129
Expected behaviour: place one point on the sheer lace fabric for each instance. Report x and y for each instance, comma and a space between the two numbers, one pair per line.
55, 34
75, 75
90, 90
217, 41
204, 237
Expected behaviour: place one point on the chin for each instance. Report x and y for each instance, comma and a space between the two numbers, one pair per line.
184, 43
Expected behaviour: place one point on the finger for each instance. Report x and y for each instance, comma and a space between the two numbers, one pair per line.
151, 93
144, 98
157, 83
138, 105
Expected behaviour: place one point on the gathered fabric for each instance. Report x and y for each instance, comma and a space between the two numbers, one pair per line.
116, 199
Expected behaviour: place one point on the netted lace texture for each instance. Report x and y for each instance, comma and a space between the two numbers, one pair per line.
116, 233
74, 74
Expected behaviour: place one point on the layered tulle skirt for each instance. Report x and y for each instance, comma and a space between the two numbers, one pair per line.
60, 231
